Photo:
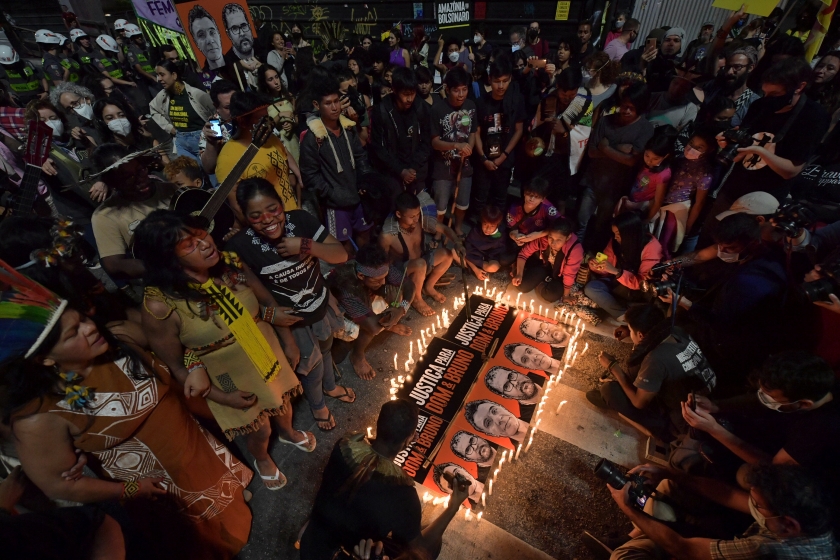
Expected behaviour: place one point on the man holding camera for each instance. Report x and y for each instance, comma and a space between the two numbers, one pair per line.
791, 517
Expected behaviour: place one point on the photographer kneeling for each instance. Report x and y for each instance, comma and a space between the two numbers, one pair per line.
792, 517
667, 364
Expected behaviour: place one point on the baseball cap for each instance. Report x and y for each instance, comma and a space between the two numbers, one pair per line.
755, 204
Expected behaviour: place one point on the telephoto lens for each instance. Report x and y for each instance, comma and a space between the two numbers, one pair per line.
610, 473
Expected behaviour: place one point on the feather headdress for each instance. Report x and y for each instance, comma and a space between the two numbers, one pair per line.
28, 312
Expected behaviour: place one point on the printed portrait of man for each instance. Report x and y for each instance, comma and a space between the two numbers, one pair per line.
239, 31
543, 331
510, 384
493, 419
205, 35
449, 470
475, 449
530, 357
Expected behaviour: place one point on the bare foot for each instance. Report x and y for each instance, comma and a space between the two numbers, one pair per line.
402, 330
362, 367
434, 294
421, 306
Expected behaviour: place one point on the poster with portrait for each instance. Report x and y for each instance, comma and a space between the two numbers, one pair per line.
220, 31
533, 343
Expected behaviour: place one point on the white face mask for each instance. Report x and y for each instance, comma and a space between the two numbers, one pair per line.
586, 77
476, 38
84, 110
728, 257
758, 516
692, 154
454, 56
619, 24
57, 126
120, 126
771, 403
514, 48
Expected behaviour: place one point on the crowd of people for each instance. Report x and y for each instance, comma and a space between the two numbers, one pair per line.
682, 191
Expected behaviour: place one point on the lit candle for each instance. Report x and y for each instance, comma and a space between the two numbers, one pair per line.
478, 517
446, 502
485, 284
555, 315
434, 329
395, 360
408, 378
559, 407
370, 432
574, 358
537, 425
393, 382
578, 324
393, 390
483, 501
393, 397
519, 295
423, 336
501, 461
490, 488
427, 498
407, 367
438, 321
540, 309
400, 378
467, 514
419, 347
507, 298
518, 451
585, 348
410, 347
496, 473
530, 441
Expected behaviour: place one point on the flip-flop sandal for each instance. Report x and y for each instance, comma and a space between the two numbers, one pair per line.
340, 397
303, 445
277, 476
442, 283
329, 420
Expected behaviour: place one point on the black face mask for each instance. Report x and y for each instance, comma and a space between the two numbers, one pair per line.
532, 34
778, 103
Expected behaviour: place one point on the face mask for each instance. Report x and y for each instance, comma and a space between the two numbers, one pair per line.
84, 110
631, 39
758, 516
532, 34
772, 404
779, 102
514, 48
619, 24
728, 257
454, 56
57, 126
586, 76
120, 126
476, 39
692, 154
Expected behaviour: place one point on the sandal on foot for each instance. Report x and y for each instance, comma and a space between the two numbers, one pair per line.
276, 477
342, 397
329, 420
304, 444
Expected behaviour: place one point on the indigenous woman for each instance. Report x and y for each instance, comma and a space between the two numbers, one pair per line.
284, 249
282, 108
200, 314
68, 385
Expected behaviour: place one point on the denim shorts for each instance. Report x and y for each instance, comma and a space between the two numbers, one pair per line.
443, 193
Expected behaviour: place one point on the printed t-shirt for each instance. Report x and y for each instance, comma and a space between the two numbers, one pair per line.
269, 163
452, 125
496, 126
182, 114
647, 181
116, 219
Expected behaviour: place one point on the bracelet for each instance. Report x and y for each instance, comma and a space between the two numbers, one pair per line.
130, 490
612, 363
305, 246
192, 362
405, 304
267, 314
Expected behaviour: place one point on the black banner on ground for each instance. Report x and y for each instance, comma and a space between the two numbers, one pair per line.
489, 321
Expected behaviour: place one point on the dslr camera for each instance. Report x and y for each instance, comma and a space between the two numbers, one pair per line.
660, 287
793, 217
735, 138
829, 282
356, 101
613, 475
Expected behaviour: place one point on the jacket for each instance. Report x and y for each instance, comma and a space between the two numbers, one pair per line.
330, 166
200, 100
651, 255
385, 137
567, 261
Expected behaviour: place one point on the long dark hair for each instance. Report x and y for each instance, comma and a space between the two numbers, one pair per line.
173, 67
262, 84
155, 240
102, 127
22, 380
826, 94
634, 237
650, 321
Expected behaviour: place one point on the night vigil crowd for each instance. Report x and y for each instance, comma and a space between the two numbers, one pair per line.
680, 191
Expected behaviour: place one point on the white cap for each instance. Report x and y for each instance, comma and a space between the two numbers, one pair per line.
47, 37
755, 204
120, 24
8, 55
76, 33
108, 43
131, 30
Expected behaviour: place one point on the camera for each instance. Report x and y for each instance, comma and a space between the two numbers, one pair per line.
829, 283
612, 474
660, 287
792, 217
735, 138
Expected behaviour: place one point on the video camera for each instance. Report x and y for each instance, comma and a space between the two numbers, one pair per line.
610, 473
792, 217
735, 138
829, 283
660, 287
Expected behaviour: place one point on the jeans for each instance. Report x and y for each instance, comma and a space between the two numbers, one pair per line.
603, 291
186, 144
320, 378
650, 417
491, 188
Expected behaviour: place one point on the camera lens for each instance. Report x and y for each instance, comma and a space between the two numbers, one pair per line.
610, 473
818, 290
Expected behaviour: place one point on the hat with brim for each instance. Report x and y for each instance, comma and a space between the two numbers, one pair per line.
757, 203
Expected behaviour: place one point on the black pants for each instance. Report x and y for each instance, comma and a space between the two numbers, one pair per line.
490, 187
537, 275
651, 418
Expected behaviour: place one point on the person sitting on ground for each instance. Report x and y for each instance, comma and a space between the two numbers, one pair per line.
666, 364
791, 512
364, 494
485, 244
630, 255
184, 172
529, 219
409, 245
655, 173
550, 264
796, 383
372, 294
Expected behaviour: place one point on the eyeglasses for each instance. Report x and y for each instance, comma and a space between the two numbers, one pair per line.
240, 29
188, 244
736, 67
81, 101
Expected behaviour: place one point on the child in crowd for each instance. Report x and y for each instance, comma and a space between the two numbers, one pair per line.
183, 171
550, 264
655, 174
486, 243
693, 175
529, 219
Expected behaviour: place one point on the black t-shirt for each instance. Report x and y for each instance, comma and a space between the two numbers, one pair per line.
811, 440
294, 281
799, 143
452, 125
379, 507
497, 126
405, 123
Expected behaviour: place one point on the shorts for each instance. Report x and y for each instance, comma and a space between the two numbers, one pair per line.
443, 192
343, 223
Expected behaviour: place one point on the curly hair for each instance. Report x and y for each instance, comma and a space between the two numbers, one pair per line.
183, 164
69, 87
32, 108
608, 70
